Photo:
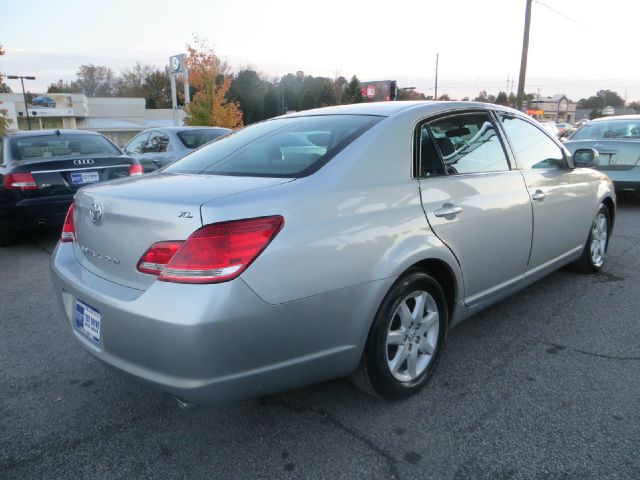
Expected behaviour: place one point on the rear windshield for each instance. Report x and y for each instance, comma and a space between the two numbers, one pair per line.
285, 147
197, 138
63, 145
608, 129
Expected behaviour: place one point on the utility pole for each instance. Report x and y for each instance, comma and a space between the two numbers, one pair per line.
525, 51
435, 96
24, 95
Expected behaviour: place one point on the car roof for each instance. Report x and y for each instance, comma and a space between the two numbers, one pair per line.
388, 109
615, 117
36, 133
190, 127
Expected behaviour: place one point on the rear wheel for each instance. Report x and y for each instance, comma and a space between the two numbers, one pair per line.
405, 340
595, 250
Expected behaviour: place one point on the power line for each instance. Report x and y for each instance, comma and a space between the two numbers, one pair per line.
569, 18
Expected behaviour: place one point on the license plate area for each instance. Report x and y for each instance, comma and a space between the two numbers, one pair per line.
87, 321
83, 178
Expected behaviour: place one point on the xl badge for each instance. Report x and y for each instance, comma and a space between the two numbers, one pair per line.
95, 212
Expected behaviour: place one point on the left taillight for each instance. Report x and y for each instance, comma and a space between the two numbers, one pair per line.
68, 229
135, 169
20, 181
215, 253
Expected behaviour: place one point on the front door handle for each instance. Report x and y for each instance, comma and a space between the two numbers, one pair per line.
539, 195
447, 210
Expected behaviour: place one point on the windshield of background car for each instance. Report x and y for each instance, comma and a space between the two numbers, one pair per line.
285, 147
64, 145
197, 138
609, 129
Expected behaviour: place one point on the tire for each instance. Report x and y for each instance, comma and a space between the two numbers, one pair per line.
595, 250
396, 362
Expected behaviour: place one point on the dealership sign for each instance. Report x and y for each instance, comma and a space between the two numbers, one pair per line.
535, 112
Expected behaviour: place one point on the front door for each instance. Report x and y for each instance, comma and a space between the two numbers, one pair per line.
562, 198
474, 202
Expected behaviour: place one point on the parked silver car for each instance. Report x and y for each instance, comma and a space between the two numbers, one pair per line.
260, 263
158, 147
617, 139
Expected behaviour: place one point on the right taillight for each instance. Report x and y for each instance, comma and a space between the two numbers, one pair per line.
20, 181
68, 228
215, 253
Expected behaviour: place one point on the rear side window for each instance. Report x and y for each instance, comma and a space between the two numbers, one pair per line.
467, 143
286, 147
158, 143
196, 138
137, 144
533, 148
63, 145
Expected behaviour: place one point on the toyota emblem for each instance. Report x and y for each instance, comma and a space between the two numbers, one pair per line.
95, 212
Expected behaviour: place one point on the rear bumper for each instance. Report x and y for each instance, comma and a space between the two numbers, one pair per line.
210, 343
31, 212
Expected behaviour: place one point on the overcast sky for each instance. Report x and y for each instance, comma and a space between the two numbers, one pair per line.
583, 46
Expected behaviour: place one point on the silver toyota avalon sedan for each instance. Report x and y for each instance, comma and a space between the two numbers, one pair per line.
340, 241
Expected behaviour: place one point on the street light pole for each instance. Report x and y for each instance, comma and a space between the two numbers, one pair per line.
24, 95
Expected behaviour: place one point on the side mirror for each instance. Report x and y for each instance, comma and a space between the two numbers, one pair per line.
585, 158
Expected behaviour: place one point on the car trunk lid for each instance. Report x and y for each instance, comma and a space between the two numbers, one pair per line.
135, 213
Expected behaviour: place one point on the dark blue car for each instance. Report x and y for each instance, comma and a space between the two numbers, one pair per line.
43, 101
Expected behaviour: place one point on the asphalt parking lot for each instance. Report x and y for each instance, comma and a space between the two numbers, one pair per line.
543, 385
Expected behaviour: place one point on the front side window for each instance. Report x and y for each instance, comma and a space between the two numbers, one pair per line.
286, 147
468, 143
533, 148
158, 142
138, 144
63, 145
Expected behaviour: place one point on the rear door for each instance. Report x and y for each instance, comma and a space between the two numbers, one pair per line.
152, 150
474, 201
562, 198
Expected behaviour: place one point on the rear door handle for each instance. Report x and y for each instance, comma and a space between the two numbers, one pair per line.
447, 210
539, 195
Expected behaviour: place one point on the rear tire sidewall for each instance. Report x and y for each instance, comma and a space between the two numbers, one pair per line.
382, 381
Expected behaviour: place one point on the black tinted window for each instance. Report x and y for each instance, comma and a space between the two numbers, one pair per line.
197, 138
532, 147
468, 143
63, 145
287, 147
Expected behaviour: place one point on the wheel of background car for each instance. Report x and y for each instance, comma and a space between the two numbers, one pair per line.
595, 250
405, 340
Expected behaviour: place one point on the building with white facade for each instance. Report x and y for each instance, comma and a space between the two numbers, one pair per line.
117, 118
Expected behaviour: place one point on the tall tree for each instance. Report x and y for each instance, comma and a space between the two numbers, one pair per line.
602, 98
157, 88
95, 80
211, 79
502, 98
249, 90
353, 91
4, 121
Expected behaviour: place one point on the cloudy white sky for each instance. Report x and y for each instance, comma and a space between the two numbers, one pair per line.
582, 46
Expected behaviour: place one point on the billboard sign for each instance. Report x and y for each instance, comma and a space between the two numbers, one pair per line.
51, 105
378, 91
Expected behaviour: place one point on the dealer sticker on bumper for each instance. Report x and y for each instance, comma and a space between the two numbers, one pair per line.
88, 321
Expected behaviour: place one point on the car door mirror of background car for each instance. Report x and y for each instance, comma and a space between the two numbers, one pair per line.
585, 158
